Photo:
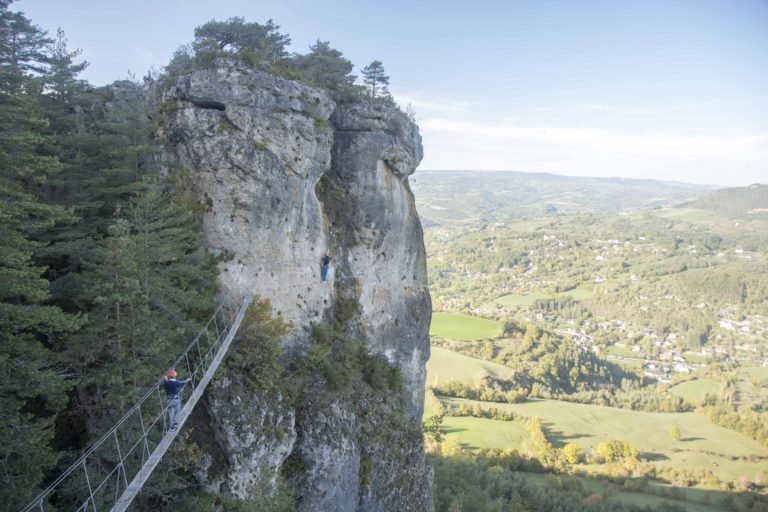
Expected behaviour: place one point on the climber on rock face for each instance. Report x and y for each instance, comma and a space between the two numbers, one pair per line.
325, 262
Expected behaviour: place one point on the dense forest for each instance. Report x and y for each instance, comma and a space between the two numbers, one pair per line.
101, 263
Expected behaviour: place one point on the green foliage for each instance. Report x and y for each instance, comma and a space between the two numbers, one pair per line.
739, 202
750, 423
616, 450
264, 48
326, 67
60, 81
340, 360
494, 480
487, 389
150, 290
32, 386
332, 356
539, 442
675, 434
433, 428
376, 80
22, 50
131, 263
257, 353
260, 43
572, 453
265, 496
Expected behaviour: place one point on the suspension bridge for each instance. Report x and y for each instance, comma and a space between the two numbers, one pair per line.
110, 473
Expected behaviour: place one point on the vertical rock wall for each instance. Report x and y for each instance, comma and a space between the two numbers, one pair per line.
285, 174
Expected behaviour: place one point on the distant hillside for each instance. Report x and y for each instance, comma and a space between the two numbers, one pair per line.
444, 196
741, 202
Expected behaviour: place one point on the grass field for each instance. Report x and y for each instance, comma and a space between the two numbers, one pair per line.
520, 299
613, 350
445, 365
703, 445
756, 372
694, 390
527, 299
457, 326
634, 498
580, 293
753, 385
529, 225
697, 359
687, 214
476, 433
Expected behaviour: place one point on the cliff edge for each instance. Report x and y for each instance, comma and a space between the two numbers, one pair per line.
285, 174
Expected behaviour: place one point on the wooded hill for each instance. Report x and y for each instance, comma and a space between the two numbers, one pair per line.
742, 202
447, 197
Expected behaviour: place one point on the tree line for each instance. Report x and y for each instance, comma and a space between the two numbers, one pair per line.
101, 263
263, 47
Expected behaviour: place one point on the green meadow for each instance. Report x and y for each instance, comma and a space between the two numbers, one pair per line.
703, 445
695, 390
458, 326
634, 498
613, 350
754, 384
527, 299
445, 365
475, 433
520, 299
687, 214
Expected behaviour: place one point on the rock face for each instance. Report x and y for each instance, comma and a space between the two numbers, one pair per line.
286, 174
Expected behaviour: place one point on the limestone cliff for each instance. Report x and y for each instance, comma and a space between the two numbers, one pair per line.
285, 174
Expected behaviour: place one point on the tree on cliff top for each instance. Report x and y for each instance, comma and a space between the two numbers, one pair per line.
326, 67
375, 79
263, 47
256, 41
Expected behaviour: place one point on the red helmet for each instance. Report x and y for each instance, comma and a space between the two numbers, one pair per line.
172, 374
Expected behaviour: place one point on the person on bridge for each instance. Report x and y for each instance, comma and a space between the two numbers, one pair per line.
172, 390
325, 262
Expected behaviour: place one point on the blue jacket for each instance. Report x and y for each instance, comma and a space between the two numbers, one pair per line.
173, 386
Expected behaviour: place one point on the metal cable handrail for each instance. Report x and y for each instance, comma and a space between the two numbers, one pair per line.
200, 355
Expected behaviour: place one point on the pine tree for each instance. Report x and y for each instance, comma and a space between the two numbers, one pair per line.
101, 151
151, 286
326, 67
61, 89
32, 388
22, 48
260, 43
375, 79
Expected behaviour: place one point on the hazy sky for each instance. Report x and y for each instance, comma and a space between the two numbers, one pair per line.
661, 89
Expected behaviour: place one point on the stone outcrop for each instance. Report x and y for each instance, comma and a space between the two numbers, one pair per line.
285, 174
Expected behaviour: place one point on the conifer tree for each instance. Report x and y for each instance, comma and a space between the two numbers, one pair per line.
61, 87
326, 67
150, 287
100, 150
32, 388
22, 48
235, 35
375, 79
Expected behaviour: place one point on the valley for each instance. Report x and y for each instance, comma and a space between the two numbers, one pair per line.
557, 336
